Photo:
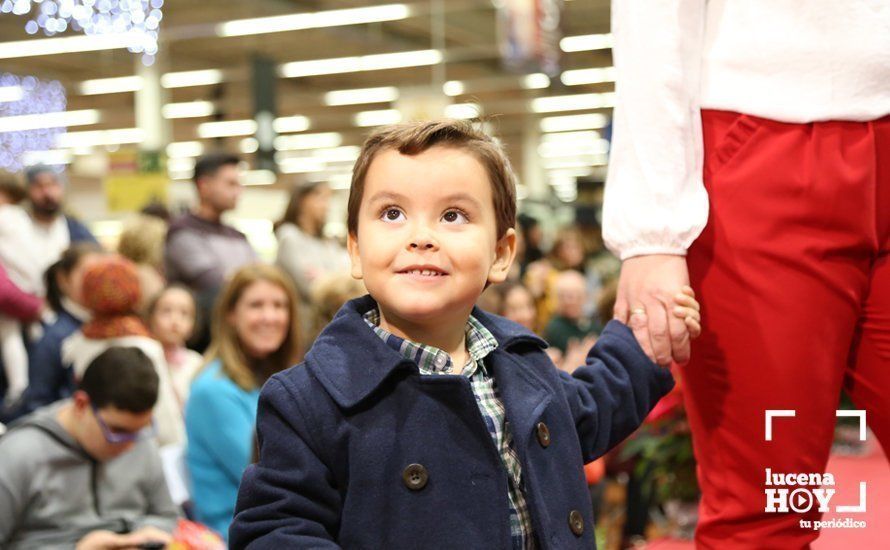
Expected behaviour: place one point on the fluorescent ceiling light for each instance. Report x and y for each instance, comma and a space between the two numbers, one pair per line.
101, 137
51, 157
576, 102
573, 122
314, 20
588, 76
227, 128
586, 42
181, 164
361, 95
248, 145
189, 109
68, 44
578, 162
301, 165
111, 85
286, 124
377, 118
535, 81
9, 94
185, 149
348, 153
463, 110
185, 79
375, 62
258, 177
571, 137
561, 149
453, 88
61, 119
308, 141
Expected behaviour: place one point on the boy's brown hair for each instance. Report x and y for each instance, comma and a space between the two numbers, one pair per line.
413, 138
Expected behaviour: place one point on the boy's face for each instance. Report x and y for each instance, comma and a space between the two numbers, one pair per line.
427, 238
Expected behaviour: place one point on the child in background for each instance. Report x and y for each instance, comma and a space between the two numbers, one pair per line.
170, 317
24, 270
418, 420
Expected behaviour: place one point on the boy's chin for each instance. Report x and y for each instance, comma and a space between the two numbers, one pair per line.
421, 313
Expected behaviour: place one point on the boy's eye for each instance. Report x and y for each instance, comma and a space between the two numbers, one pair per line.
393, 215
454, 216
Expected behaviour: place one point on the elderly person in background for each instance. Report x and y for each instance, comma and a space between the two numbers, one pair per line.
255, 335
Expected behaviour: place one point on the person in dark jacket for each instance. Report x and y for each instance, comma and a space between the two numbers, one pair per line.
417, 420
49, 379
200, 250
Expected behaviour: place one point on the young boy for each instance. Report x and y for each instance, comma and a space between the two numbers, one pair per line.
417, 420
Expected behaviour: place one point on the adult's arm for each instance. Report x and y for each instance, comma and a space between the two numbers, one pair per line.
15, 302
655, 202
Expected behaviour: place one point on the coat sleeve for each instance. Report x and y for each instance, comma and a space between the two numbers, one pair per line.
613, 392
287, 499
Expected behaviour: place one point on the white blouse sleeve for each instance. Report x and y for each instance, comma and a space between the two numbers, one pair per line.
655, 201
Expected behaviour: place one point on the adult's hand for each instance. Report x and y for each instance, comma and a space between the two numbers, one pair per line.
646, 291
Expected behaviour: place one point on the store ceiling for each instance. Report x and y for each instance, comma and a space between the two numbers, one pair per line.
189, 42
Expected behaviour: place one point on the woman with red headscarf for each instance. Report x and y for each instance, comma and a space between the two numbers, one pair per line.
112, 293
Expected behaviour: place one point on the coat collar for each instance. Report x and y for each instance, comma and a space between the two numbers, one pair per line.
351, 361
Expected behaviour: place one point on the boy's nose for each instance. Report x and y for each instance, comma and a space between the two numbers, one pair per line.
423, 240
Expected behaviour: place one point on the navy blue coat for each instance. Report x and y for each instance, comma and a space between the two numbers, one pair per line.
337, 432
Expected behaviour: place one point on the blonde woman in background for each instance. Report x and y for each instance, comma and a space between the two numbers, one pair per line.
142, 242
255, 333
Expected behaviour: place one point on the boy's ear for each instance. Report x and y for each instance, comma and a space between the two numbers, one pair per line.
504, 252
354, 258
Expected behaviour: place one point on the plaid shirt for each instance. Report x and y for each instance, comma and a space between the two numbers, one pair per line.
433, 361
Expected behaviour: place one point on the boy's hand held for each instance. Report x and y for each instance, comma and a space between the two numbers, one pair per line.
646, 293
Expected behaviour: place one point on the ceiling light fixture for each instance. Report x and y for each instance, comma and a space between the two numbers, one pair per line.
314, 20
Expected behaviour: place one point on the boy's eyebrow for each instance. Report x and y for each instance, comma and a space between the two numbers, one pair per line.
398, 197
462, 197
387, 195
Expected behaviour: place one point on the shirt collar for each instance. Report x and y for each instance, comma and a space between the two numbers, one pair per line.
430, 359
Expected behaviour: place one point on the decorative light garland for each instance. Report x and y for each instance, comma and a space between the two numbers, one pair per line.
139, 19
36, 96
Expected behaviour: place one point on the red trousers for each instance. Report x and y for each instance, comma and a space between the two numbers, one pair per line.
793, 276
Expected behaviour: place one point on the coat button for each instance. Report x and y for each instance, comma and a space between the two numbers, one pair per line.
543, 434
576, 523
415, 477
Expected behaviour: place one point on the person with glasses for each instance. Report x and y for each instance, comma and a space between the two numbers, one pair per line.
85, 472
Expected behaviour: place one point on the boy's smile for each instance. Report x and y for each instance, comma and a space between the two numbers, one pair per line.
427, 242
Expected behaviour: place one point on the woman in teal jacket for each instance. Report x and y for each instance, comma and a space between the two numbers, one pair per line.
255, 334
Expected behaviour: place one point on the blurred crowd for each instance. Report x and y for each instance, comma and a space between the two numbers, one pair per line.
130, 377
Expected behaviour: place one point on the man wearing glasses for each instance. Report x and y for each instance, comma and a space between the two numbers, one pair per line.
86, 472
